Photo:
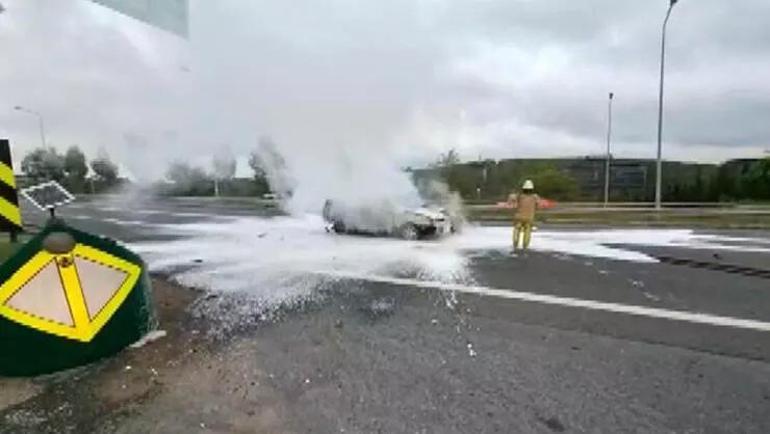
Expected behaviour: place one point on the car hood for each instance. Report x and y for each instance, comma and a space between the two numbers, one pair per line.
429, 213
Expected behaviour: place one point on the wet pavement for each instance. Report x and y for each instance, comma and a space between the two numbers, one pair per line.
384, 355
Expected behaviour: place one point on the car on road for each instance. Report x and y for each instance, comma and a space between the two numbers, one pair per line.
384, 219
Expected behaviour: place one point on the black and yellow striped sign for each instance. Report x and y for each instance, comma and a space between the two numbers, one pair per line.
10, 216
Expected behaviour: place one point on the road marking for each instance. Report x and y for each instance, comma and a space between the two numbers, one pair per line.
512, 294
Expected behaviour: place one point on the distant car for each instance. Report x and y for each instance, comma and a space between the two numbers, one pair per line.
388, 221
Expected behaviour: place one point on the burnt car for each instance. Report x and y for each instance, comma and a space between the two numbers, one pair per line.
387, 220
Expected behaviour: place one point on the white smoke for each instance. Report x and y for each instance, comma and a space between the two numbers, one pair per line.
365, 180
271, 164
438, 193
356, 175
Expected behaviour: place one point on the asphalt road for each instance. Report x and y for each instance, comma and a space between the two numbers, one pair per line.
588, 345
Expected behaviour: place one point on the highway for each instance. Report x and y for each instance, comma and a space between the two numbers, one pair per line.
302, 331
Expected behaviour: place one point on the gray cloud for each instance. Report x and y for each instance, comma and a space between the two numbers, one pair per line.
400, 80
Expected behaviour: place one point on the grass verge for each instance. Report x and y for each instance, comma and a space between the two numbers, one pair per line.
7, 248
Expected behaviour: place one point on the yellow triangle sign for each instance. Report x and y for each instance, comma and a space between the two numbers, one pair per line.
71, 295
43, 296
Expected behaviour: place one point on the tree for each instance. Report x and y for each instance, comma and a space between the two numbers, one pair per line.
188, 180
75, 168
553, 183
260, 176
43, 164
271, 172
755, 183
223, 166
723, 185
179, 172
451, 158
106, 171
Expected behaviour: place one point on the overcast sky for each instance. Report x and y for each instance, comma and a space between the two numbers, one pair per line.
406, 79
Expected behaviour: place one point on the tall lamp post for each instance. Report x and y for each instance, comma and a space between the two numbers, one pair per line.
607, 163
39, 118
659, 164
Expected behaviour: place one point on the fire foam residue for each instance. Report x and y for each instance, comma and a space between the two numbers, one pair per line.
284, 258
254, 266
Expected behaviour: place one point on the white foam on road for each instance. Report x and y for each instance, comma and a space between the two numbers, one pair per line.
124, 222
650, 312
117, 221
281, 257
283, 260
606, 244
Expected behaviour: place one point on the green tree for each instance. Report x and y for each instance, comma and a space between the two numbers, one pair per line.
75, 168
725, 184
458, 177
106, 171
44, 164
260, 175
464, 179
223, 169
698, 190
188, 180
271, 171
554, 183
451, 158
755, 183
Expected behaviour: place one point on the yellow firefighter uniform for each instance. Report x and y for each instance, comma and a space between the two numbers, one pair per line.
525, 205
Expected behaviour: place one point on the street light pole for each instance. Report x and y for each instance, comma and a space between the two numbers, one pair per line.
40, 121
659, 164
607, 163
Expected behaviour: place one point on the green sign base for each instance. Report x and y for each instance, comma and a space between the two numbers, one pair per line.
103, 320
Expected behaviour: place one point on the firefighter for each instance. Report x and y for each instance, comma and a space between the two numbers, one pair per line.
524, 205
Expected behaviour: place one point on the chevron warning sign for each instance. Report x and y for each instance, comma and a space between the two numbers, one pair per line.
10, 217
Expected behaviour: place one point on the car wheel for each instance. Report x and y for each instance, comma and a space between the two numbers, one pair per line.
409, 232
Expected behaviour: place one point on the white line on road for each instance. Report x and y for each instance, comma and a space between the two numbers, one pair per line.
652, 312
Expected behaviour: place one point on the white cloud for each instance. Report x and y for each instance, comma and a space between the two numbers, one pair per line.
387, 80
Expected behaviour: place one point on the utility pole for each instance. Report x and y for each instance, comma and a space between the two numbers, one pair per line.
659, 164
607, 162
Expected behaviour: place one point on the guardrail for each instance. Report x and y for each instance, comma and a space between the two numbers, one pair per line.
639, 205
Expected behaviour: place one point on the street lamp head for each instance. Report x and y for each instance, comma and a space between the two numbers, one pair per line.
18, 107
673, 2
611, 95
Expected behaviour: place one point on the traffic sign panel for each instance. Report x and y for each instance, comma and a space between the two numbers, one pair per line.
47, 195
71, 295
